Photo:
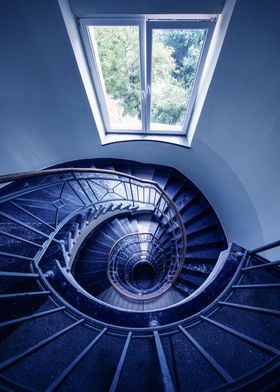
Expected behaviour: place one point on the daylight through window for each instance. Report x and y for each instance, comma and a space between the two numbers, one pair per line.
146, 72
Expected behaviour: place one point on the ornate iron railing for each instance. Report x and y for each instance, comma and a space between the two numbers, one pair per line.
39, 230
123, 259
40, 205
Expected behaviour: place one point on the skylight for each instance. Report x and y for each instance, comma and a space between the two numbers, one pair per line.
146, 77
145, 71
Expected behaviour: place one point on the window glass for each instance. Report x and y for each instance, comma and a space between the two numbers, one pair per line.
175, 59
117, 55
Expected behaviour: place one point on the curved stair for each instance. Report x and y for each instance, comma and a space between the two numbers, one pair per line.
65, 327
204, 232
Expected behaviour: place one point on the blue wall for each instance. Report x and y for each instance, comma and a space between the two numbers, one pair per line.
45, 117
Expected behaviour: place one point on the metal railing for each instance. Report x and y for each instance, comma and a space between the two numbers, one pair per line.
269, 246
265, 263
237, 264
112, 188
39, 205
156, 334
129, 251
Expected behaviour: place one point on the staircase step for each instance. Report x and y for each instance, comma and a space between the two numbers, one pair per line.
190, 279
199, 270
160, 177
215, 246
173, 187
200, 260
183, 288
146, 172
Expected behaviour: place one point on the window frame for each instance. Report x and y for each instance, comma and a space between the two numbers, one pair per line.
95, 68
193, 24
146, 25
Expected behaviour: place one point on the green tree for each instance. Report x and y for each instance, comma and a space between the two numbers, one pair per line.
118, 50
168, 95
186, 45
174, 61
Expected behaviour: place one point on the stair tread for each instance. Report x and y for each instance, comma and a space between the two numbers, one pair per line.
202, 346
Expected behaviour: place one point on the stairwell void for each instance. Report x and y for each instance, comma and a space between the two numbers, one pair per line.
117, 275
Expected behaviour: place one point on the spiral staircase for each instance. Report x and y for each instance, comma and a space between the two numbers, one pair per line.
117, 276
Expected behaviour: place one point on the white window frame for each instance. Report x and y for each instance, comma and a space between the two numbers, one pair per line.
146, 26
72, 24
206, 23
95, 67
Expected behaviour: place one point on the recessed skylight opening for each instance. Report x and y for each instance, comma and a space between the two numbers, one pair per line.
147, 77
146, 71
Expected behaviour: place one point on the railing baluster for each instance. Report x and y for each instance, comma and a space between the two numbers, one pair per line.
125, 190
83, 190
20, 239
18, 222
120, 364
242, 336
30, 317
257, 286
74, 363
18, 274
27, 294
131, 191
76, 193
12, 361
207, 356
253, 308
263, 248
16, 256
89, 185
166, 376
31, 214
155, 196
265, 265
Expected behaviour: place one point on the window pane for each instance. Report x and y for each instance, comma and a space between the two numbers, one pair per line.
117, 52
175, 59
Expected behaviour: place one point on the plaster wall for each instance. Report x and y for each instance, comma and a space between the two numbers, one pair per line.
45, 117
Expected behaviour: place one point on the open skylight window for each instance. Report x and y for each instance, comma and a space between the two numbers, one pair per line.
145, 71
146, 77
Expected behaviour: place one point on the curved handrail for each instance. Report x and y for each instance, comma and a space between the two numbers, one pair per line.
27, 175
269, 246
38, 173
186, 312
112, 268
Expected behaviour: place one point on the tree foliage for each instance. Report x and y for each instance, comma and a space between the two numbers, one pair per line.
175, 57
118, 50
186, 46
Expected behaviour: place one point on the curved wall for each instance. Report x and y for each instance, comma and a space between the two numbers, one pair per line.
45, 117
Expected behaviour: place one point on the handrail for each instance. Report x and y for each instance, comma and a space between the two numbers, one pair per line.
38, 173
161, 201
128, 236
31, 174
206, 299
263, 248
112, 269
